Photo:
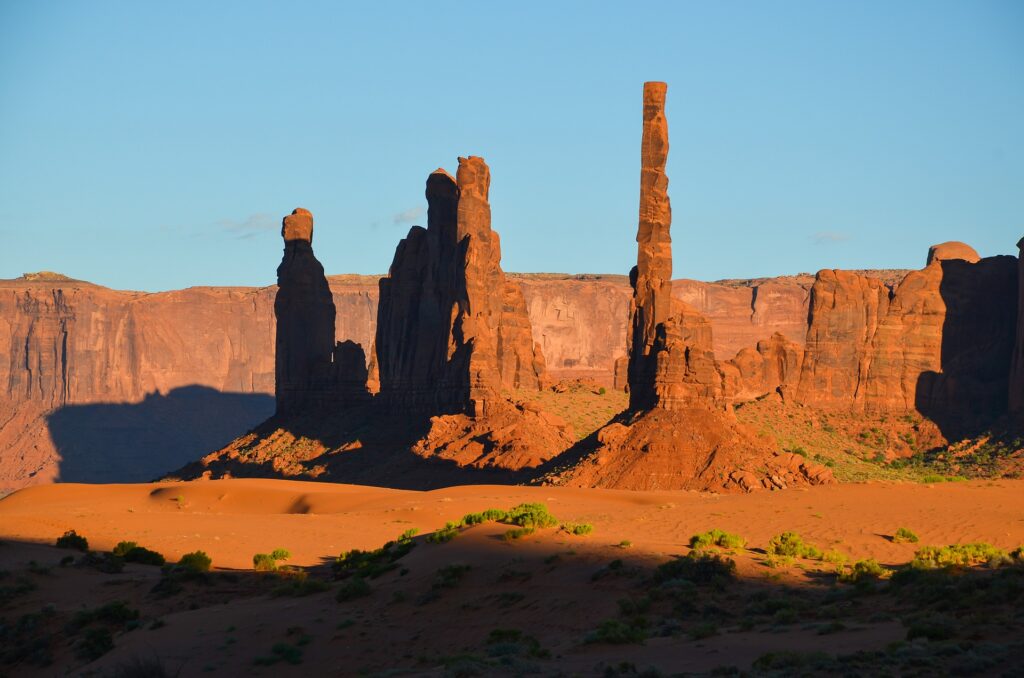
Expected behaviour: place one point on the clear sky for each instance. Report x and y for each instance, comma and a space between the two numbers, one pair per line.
156, 145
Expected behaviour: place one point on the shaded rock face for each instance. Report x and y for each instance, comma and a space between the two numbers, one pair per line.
311, 371
452, 331
414, 346
1016, 392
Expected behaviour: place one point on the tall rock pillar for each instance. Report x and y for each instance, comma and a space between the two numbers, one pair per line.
310, 370
1016, 394
652, 277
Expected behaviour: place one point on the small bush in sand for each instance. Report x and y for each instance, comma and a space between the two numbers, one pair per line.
618, 632
703, 630
699, 568
506, 642
131, 552
531, 515
904, 536
578, 529
356, 587
445, 534
719, 538
268, 562
298, 583
95, 643
72, 540
285, 652
517, 533
372, 564
791, 545
958, 555
195, 562
449, 576
864, 571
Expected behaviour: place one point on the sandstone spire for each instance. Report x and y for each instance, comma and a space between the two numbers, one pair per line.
310, 370
451, 329
652, 277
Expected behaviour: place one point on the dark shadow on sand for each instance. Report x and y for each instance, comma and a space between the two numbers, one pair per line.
136, 442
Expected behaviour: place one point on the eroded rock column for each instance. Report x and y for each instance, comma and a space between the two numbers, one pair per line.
652, 277
304, 308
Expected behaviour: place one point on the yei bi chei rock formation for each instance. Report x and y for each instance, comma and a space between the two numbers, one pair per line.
678, 432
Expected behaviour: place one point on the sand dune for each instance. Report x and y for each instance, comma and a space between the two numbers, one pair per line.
549, 584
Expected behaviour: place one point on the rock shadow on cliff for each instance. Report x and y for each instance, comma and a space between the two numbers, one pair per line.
969, 393
136, 442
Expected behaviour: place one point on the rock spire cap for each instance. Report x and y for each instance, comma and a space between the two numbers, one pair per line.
298, 225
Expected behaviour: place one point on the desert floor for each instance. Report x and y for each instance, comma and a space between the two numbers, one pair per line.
544, 594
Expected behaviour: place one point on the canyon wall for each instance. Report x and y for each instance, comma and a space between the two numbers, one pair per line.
72, 351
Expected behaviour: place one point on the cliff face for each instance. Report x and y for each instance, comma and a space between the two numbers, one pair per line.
940, 342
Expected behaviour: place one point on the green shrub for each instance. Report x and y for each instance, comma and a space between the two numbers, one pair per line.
268, 562
131, 552
957, 555
72, 540
864, 570
504, 642
281, 652
95, 643
619, 632
934, 628
716, 537
792, 545
703, 630
903, 535
445, 534
517, 533
195, 562
449, 576
697, 567
578, 529
353, 588
298, 584
372, 564
123, 547
533, 515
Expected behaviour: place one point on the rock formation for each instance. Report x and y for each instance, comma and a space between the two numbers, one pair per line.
453, 333
312, 372
452, 330
677, 432
651, 277
939, 342
772, 366
1016, 390
844, 313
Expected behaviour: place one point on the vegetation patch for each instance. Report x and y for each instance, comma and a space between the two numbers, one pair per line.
268, 562
719, 538
72, 540
131, 552
903, 535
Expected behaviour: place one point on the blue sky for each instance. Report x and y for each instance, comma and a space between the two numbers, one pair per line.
157, 145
